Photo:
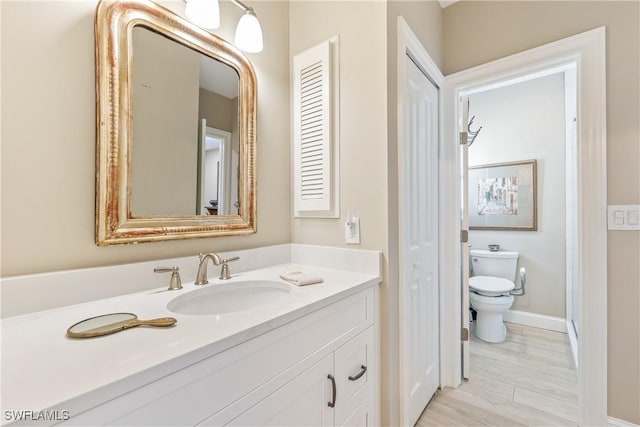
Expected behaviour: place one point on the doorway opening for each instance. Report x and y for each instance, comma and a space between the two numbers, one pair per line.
522, 212
586, 52
530, 119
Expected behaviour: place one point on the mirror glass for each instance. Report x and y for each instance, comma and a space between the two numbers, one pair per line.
185, 154
98, 324
176, 128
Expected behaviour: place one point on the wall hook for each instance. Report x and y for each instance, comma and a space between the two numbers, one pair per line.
472, 135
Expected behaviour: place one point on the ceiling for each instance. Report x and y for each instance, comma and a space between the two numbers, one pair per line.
218, 78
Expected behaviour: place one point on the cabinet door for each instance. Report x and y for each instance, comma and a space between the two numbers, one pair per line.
361, 417
355, 367
303, 401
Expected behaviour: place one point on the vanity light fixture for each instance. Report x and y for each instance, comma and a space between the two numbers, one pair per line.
249, 32
206, 14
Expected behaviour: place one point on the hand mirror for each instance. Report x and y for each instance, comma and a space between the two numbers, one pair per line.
111, 323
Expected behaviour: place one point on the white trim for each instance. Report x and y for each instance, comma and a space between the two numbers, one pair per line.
572, 279
541, 321
573, 343
226, 168
408, 43
616, 422
332, 125
587, 51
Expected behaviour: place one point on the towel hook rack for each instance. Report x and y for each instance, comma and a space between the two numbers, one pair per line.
472, 135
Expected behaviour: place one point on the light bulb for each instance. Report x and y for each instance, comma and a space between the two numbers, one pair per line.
249, 33
203, 13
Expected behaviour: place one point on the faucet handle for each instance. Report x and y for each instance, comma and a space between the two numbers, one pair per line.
174, 283
224, 271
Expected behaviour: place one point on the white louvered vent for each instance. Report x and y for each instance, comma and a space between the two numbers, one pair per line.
314, 151
313, 133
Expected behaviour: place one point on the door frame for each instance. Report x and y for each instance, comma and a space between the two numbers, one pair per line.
587, 51
226, 169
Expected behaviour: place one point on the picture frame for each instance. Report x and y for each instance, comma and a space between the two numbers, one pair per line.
502, 196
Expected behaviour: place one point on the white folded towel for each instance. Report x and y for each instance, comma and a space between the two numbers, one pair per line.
299, 277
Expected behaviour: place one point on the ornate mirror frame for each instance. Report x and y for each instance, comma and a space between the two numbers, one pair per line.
114, 23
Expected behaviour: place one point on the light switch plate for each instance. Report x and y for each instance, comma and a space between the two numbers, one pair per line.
624, 217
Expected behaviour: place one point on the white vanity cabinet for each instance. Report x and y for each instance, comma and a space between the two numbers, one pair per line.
300, 402
283, 377
334, 391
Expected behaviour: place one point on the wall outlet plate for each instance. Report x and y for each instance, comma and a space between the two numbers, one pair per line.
352, 230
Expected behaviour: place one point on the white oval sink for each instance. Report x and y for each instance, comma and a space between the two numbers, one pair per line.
231, 297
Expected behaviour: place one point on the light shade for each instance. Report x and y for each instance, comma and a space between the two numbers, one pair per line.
249, 33
203, 13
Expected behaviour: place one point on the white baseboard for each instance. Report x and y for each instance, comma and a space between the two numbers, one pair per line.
615, 422
536, 320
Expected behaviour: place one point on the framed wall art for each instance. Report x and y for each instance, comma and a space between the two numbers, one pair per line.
502, 196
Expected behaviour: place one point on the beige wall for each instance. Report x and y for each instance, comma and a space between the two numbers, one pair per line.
368, 148
360, 26
217, 109
368, 158
425, 20
48, 139
165, 130
478, 32
48, 173
522, 122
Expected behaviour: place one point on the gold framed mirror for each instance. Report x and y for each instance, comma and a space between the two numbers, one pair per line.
166, 92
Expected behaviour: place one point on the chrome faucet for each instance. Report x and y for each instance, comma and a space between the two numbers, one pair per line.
201, 275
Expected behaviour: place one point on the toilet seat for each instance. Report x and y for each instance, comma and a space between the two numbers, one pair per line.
490, 286
477, 299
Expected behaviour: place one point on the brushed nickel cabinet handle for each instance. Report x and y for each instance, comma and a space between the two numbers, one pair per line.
359, 375
332, 404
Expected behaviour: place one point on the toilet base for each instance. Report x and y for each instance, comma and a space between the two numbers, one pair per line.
490, 327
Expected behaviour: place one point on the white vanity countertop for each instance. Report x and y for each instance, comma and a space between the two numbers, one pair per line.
44, 369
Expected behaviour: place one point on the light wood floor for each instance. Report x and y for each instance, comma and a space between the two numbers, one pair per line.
528, 380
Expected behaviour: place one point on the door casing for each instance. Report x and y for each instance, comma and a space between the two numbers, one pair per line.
587, 52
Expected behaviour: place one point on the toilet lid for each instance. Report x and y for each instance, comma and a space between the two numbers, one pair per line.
490, 284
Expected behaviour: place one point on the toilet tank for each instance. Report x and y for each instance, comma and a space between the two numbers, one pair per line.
496, 264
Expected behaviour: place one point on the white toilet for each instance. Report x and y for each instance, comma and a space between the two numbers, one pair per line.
490, 287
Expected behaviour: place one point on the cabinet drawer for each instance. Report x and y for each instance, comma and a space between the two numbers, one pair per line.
361, 417
252, 369
354, 365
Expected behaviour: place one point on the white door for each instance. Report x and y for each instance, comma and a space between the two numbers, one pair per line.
418, 201
464, 226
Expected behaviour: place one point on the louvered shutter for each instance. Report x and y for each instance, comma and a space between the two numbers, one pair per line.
312, 135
